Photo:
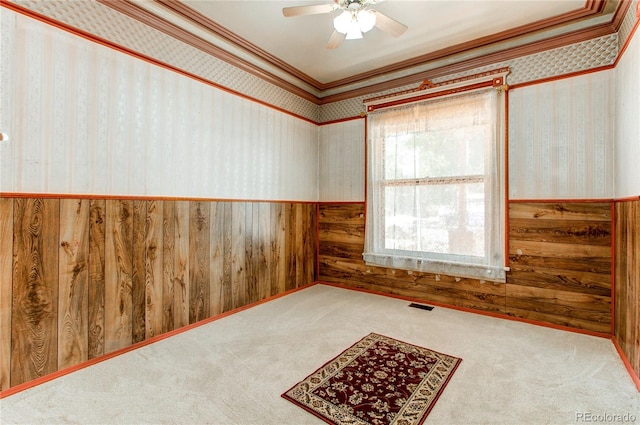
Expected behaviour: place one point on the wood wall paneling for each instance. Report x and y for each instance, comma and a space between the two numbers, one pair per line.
84, 277
341, 246
627, 281
560, 258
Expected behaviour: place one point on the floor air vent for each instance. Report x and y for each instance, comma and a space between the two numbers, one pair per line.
421, 306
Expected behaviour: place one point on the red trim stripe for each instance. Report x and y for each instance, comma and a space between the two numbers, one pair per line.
340, 120
556, 201
140, 198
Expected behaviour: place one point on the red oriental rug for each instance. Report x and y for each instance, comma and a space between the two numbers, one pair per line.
378, 380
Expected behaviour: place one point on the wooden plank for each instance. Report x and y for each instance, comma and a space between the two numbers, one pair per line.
168, 265
73, 278
238, 253
562, 280
255, 252
118, 274
138, 271
97, 225
340, 232
153, 283
265, 252
558, 309
34, 328
6, 283
216, 289
570, 322
559, 250
310, 243
199, 253
251, 289
298, 238
289, 241
342, 213
181, 265
600, 265
227, 266
278, 248
561, 231
342, 250
581, 211
561, 298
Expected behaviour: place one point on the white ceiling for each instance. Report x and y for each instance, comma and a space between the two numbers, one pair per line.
300, 41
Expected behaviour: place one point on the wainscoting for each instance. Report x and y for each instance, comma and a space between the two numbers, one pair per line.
560, 258
84, 277
627, 282
340, 254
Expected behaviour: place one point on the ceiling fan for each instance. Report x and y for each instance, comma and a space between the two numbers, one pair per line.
357, 17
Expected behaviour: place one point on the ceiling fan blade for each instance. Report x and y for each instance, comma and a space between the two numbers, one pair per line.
313, 9
389, 25
335, 40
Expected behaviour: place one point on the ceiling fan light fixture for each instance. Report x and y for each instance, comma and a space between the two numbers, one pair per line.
342, 22
354, 32
366, 20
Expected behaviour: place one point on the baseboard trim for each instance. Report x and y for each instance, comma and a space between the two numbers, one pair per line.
627, 364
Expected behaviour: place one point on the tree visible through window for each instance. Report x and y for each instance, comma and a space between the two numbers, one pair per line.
435, 188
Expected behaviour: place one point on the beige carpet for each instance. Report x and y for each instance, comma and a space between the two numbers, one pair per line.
233, 371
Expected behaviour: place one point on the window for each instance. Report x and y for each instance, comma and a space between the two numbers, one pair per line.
435, 186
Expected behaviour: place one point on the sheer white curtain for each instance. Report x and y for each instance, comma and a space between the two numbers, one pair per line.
435, 197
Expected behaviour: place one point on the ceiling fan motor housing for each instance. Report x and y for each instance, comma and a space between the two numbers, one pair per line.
352, 4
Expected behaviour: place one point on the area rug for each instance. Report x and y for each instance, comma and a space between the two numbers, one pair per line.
377, 381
